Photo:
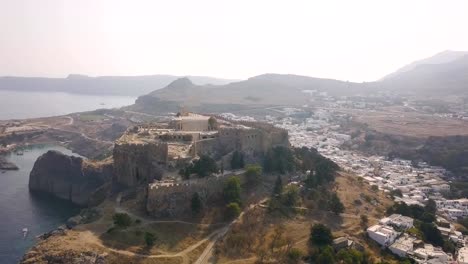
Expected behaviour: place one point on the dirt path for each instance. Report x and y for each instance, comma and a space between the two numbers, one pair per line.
87, 237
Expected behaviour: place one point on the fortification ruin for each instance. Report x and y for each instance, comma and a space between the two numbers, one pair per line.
146, 152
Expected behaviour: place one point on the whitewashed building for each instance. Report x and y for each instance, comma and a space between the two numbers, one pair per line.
383, 235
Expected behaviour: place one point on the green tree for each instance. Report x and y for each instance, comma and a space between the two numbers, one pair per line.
291, 196
278, 188
326, 256
122, 220
364, 221
294, 256
150, 238
335, 204
237, 161
431, 234
196, 203
253, 174
232, 191
320, 235
205, 166
232, 210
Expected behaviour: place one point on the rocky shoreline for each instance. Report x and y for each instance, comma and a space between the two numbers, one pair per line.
7, 165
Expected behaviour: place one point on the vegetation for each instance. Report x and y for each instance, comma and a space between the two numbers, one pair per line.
278, 188
253, 174
122, 220
335, 204
290, 197
150, 238
196, 203
202, 167
232, 210
294, 256
279, 160
320, 235
425, 214
237, 161
232, 191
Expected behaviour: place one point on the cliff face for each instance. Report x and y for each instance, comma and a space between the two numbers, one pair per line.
70, 178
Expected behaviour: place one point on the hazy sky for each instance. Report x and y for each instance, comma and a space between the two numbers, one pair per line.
348, 40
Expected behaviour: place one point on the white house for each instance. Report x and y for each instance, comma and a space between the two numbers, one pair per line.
402, 245
383, 235
398, 221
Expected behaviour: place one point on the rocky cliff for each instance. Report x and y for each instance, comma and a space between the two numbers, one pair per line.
71, 178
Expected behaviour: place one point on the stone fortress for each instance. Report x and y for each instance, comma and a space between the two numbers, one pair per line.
145, 154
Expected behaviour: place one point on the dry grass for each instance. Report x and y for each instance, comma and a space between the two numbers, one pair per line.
395, 121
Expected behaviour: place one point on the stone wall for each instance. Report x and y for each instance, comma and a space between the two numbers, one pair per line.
174, 199
136, 164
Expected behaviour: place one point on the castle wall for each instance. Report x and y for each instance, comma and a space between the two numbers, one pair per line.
135, 164
174, 199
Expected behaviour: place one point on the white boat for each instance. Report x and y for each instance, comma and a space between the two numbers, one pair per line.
25, 232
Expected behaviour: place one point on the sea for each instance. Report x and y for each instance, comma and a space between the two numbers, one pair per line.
20, 105
18, 207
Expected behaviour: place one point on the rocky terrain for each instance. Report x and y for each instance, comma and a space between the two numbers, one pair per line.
71, 178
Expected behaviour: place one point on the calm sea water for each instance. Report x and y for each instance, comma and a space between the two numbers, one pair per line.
19, 105
20, 209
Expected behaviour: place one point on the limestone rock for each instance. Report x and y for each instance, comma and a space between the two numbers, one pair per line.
67, 177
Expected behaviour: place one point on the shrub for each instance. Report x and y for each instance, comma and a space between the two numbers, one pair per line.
253, 174
122, 220
150, 238
232, 210
232, 191
294, 256
320, 235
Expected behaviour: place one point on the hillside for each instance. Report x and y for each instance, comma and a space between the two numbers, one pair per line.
432, 79
263, 90
439, 58
103, 85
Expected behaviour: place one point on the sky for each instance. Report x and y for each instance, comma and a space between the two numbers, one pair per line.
347, 40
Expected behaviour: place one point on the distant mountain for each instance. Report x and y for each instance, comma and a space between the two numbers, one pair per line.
104, 85
443, 79
439, 58
262, 90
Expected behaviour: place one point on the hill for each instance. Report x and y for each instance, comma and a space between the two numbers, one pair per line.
439, 58
445, 79
263, 90
103, 85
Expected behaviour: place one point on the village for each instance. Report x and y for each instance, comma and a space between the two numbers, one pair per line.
413, 184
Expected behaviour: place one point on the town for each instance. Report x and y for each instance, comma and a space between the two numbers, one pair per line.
404, 181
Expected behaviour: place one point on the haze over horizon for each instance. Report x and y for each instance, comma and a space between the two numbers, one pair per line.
355, 41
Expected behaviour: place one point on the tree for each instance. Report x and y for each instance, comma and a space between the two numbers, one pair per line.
278, 189
320, 235
237, 161
150, 238
431, 234
291, 196
212, 123
253, 174
122, 220
205, 166
294, 256
364, 221
232, 210
335, 204
196, 203
232, 190
326, 256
